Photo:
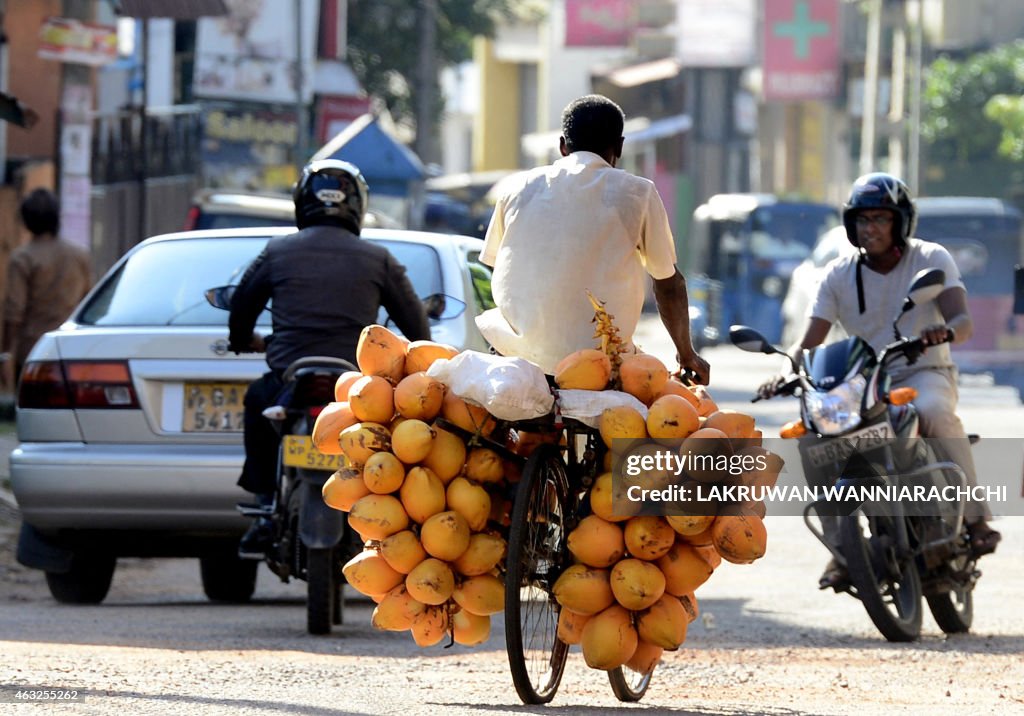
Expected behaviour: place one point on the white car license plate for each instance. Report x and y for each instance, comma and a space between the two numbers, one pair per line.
213, 407
299, 451
839, 449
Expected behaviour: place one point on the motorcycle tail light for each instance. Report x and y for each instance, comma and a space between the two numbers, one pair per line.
902, 396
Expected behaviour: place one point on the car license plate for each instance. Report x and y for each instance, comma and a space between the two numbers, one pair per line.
213, 407
839, 449
300, 452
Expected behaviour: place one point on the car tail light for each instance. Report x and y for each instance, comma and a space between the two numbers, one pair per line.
192, 218
77, 384
43, 386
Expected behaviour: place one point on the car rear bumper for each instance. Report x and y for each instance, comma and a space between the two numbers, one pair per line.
78, 486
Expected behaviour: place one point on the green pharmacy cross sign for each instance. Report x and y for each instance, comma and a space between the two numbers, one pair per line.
801, 49
801, 29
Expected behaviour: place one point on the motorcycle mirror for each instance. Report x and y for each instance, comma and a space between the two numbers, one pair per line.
441, 307
926, 286
747, 339
220, 296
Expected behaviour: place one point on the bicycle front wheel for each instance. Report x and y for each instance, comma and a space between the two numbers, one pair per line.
536, 555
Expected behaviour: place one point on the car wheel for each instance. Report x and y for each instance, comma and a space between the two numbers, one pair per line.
226, 578
87, 582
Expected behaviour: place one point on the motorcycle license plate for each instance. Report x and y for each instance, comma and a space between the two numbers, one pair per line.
839, 449
213, 407
299, 451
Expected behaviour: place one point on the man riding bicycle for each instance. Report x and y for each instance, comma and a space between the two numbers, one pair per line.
575, 225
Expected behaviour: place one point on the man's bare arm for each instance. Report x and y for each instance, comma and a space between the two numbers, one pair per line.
674, 309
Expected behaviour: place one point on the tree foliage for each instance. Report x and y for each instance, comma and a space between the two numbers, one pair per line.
383, 43
1008, 112
956, 122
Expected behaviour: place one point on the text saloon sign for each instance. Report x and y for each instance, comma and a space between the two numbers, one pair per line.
801, 49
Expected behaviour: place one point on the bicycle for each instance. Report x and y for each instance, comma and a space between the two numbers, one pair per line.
549, 502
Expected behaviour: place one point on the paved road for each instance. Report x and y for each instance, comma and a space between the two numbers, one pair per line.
767, 642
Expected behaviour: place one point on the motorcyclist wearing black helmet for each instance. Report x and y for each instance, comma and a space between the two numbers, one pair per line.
864, 291
326, 285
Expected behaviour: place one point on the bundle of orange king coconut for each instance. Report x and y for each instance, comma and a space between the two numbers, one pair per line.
631, 594
427, 503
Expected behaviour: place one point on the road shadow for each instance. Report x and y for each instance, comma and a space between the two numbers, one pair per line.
570, 710
274, 624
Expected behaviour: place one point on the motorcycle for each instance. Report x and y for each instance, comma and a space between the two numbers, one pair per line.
311, 541
857, 432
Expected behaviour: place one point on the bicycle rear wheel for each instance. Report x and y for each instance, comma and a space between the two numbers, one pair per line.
536, 555
629, 685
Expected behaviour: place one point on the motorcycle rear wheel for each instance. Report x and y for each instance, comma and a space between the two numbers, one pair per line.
887, 583
321, 591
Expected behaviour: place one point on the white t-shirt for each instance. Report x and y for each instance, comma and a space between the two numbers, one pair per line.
558, 231
883, 298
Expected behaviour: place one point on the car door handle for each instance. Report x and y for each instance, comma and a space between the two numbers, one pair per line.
220, 347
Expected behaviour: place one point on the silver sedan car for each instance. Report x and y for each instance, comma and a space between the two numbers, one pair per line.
130, 414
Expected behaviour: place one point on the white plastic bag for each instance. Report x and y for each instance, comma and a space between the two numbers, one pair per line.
510, 388
587, 405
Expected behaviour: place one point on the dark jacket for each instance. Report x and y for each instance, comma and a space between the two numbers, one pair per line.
327, 284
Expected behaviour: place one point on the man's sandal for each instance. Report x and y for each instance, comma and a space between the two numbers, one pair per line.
982, 539
835, 576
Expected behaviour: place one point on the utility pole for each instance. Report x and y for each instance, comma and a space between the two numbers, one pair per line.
897, 123
426, 81
143, 168
914, 148
300, 100
867, 127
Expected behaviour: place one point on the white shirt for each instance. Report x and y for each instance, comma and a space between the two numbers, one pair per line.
883, 298
559, 230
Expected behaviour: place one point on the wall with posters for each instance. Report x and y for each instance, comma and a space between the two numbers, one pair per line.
249, 55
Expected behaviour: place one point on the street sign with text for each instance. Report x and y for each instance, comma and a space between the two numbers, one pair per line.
801, 49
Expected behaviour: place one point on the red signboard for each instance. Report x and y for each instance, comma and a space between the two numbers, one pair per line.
598, 23
802, 57
333, 114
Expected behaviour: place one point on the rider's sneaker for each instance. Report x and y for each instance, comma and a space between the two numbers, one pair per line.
257, 540
835, 576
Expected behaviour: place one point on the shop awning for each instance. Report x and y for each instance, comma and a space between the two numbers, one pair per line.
176, 9
636, 130
16, 112
388, 165
641, 74
662, 128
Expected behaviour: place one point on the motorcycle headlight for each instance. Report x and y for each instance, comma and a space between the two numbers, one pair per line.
837, 410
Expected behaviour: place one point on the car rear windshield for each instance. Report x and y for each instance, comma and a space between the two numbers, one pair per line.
422, 264
223, 220
164, 284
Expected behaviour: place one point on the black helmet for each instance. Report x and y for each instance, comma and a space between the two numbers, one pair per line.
880, 191
331, 191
